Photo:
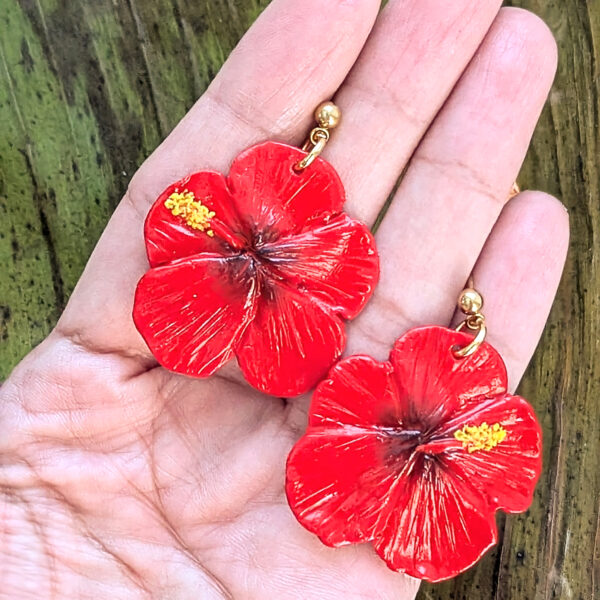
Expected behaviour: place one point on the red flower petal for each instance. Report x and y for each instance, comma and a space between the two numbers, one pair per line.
372, 467
358, 391
333, 259
432, 383
168, 238
433, 528
192, 312
326, 269
507, 474
336, 483
273, 199
290, 344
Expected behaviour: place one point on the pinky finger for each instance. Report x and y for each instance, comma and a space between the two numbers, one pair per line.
518, 272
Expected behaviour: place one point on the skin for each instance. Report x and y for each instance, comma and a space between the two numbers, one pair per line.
121, 480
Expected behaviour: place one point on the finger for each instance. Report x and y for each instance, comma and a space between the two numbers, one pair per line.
412, 60
287, 63
458, 181
518, 273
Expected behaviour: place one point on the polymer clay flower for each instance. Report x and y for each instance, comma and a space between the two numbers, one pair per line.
261, 264
416, 454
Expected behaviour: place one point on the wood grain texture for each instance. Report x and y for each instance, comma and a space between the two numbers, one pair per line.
88, 89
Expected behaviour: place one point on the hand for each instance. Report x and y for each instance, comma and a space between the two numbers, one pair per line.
121, 480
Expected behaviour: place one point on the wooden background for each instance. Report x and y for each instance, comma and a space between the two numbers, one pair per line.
89, 87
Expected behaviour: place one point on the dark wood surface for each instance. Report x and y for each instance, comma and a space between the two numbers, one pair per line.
88, 89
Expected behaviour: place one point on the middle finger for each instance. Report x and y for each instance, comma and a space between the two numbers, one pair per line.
412, 60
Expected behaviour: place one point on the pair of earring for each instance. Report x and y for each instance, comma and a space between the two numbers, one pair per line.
413, 455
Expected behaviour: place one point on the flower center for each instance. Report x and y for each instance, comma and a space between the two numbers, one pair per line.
481, 437
195, 214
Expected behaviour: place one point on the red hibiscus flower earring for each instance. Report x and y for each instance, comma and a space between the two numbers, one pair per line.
262, 264
416, 454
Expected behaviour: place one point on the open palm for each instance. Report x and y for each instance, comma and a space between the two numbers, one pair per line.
121, 480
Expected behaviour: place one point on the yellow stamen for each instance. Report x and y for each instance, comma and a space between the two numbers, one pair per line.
192, 211
481, 437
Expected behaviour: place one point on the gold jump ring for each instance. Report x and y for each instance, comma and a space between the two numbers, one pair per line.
470, 303
318, 140
479, 338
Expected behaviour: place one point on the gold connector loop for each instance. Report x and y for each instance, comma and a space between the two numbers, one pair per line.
514, 191
479, 338
328, 117
470, 303
314, 146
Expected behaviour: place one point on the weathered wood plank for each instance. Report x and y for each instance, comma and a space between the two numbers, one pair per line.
88, 89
